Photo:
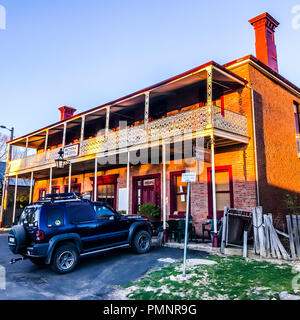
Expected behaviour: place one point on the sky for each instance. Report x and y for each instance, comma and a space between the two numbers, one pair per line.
84, 53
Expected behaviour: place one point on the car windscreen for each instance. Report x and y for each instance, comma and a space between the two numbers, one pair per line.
30, 216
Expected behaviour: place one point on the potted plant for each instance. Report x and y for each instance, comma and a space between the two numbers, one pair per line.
150, 211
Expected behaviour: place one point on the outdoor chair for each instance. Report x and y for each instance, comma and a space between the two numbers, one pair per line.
176, 230
210, 229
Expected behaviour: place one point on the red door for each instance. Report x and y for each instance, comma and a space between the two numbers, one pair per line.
146, 189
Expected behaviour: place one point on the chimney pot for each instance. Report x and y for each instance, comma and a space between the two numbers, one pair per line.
66, 112
264, 26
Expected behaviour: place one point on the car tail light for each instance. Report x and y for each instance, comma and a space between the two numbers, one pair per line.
39, 236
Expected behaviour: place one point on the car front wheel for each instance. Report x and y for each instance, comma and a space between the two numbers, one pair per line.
65, 259
141, 242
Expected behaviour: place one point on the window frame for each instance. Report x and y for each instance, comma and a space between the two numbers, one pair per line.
296, 116
173, 196
209, 189
66, 187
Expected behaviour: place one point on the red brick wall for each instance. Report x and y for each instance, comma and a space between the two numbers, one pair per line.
278, 163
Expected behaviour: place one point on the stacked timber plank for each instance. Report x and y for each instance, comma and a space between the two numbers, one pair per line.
266, 240
293, 225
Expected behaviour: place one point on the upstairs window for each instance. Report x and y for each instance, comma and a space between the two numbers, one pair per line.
297, 124
297, 117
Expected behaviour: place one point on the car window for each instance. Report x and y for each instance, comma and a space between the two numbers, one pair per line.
80, 212
55, 216
30, 216
103, 211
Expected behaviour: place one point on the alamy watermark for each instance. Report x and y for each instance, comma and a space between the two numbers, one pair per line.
2, 278
2, 18
296, 18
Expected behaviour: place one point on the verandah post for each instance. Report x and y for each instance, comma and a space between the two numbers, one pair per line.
30, 192
128, 181
70, 175
95, 179
213, 176
15, 199
164, 192
50, 180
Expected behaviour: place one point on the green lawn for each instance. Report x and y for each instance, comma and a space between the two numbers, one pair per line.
231, 278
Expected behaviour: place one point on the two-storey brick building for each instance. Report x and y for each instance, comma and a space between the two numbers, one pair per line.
236, 126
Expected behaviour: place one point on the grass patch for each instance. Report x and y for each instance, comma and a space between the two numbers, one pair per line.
232, 278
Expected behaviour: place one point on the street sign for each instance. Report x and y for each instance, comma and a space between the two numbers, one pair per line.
188, 177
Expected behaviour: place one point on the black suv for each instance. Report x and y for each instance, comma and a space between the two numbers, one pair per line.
60, 228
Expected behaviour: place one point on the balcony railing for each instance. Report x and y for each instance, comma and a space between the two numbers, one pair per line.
178, 124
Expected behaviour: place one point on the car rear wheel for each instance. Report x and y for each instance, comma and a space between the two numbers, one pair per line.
141, 242
65, 259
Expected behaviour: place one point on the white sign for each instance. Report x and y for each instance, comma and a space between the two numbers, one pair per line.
188, 177
122, 199
71, 151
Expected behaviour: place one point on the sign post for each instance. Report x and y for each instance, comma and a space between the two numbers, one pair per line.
187, 177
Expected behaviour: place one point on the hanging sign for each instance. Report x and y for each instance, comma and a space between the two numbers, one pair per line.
71, 151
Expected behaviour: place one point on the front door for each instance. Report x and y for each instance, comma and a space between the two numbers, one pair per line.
146, 190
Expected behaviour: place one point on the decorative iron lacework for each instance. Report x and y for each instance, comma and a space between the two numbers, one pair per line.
164, 128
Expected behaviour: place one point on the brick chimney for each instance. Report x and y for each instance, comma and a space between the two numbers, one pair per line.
264, 26
66, 112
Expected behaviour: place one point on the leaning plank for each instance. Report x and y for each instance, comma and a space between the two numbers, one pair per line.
267, 236
224, 224
255, 233
261, 235
272, 244
282, 233
290, 231
296, 235
283, 252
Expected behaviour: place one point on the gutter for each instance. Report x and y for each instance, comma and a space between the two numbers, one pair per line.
255, 145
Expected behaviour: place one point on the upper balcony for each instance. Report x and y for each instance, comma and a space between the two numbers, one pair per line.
192, 104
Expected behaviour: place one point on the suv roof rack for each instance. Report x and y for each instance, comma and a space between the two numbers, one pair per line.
59, 197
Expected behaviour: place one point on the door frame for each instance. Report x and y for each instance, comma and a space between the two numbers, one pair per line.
134, 188
209, 189
107, 179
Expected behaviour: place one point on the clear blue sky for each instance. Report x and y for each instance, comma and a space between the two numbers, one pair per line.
84, 53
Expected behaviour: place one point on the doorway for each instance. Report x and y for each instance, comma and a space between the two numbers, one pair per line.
146, 189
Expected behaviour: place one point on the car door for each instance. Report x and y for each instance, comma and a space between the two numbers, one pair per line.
82, 218
111, 228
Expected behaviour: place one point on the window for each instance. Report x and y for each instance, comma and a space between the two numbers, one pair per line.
55, 189
102, 212
75, 187
106, 193
297, 117
55, 216
42, 193
30, 216
224, 190
79, 213
297, 124
178, 194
